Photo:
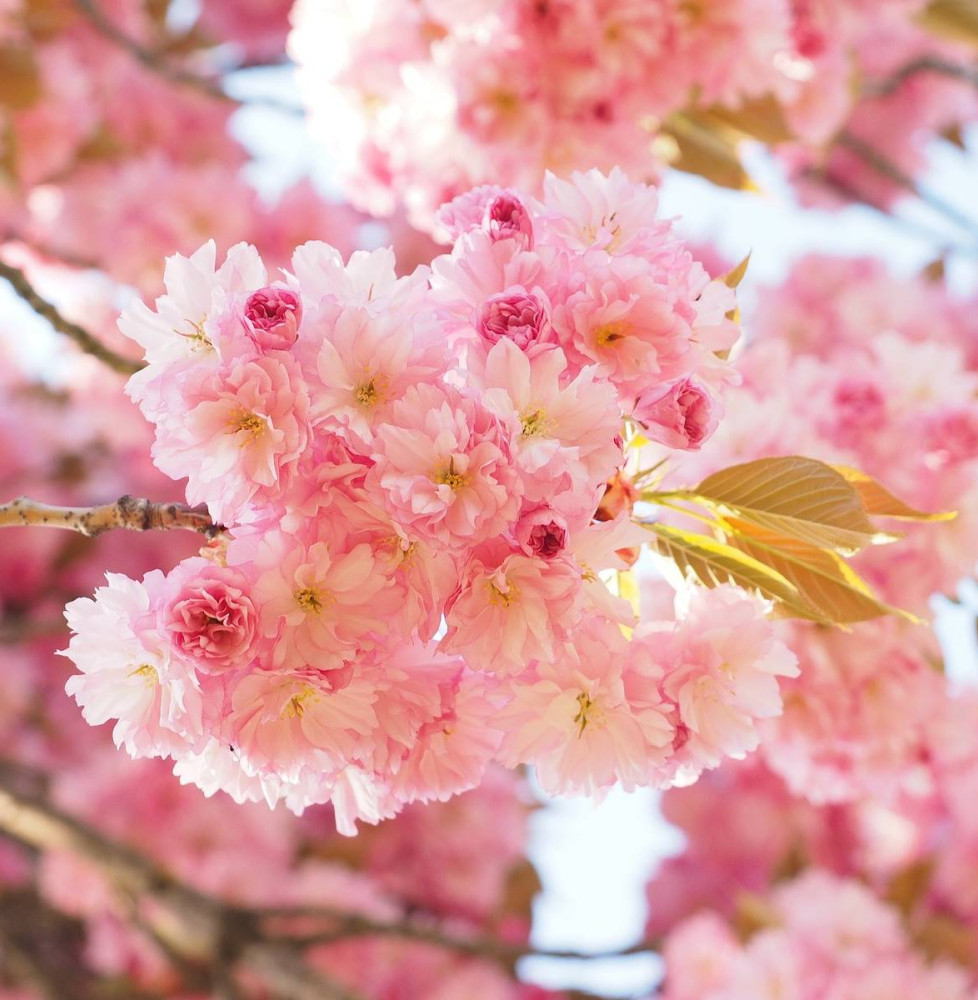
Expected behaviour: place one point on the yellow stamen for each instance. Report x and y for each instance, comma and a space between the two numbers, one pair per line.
585, 704
534, 422
296, 705
249, 424
499, 597
609, 333
312, 600
148, 673
450, 478
367, 394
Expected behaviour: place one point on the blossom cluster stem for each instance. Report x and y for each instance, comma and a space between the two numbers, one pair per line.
132, 513
82, 338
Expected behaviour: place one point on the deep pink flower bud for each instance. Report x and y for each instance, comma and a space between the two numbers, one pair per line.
209, 616
517, 315
272, 315
507, 218
542, 532
682, 414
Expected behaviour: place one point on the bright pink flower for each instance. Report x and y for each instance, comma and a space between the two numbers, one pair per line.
681, 415
517, 315
208, 615
542, 532
273, 315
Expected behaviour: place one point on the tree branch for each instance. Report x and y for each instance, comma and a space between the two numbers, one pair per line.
132, 513
885, 168
196, 927
84, 340
346, 924
925, 64
158, 63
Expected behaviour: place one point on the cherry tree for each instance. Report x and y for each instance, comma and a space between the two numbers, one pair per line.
331, 520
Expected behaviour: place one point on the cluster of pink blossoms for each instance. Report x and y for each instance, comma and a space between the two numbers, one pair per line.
820, 938
434, 97
881, 375
415, 575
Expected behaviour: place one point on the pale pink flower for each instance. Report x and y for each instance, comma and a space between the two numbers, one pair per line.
626, 317
444, 469
452, 751
600, 211
318, 599
572, 719
366, 362
518, 315
497, 211
507, 615
567, 431
723, 668
208, 614
287, 721
240, 432
129, 671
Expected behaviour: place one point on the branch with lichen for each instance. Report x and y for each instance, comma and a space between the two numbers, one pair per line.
131, 513
82, 338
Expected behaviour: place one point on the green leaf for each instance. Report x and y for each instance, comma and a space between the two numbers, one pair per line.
711, 562
878, 500
796, 497
822, 579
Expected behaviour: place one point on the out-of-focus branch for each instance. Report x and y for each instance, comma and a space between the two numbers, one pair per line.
85, 340
874, 159
200, 929
154, 61
131, 513
344, 925
925, 64
161, 64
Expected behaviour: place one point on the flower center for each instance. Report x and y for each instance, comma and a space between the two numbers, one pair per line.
296, 705
366, 394
148, 673
450, 478
585, 704
534, 423
249, 424
199, 341
609, 333
501, 598
312, 600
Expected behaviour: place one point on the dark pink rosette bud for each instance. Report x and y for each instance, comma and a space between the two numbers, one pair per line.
516, 314
209, 616
682, 414
272, 316
506, 218
541, 532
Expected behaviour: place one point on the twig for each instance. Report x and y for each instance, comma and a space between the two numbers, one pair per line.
150, 59
849, 193
925, 64
874, 159
88, 343
158, 63
347, 924
132, 513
